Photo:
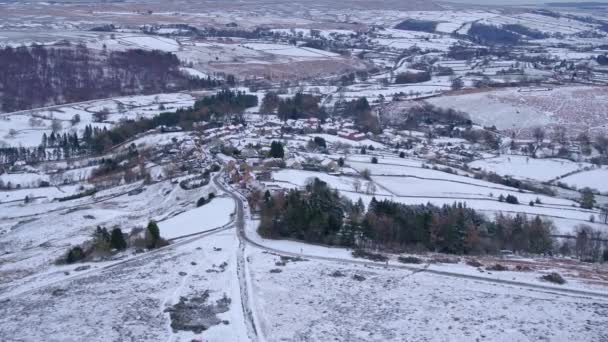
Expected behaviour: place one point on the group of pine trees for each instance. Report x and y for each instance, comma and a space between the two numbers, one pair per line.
318, 214
106, 242
56, 146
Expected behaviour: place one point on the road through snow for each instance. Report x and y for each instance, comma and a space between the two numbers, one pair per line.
241, 262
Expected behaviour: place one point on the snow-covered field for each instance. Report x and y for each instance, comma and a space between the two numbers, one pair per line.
300, 178
214, 214
287, 290
578, 108
126, 301
405, 181
289, 50
594, 179
305, 302
528, 168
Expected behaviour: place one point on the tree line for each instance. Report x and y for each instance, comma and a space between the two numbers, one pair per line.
319, 214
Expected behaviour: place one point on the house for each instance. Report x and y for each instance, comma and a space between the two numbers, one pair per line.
351, 134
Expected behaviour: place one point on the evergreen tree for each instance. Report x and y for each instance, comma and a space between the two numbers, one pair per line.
153, 234
267, 196
276, 150
587, 199
117, 239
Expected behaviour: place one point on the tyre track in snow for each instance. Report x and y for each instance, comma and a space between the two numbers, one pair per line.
241, 262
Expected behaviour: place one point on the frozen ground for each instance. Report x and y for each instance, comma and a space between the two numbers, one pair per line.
305, 302
127, 301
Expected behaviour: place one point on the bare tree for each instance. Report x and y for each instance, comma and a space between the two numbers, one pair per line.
366, 174
75, 119
370, 188
102, 115
601, 143
56, 125
604, 214
539, 134
560, 135
357, 185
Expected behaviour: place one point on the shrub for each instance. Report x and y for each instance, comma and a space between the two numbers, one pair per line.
101, 240
445, 260
497, 267
359, 253
374, 160
409, 260
358, 277
366, 174
211, 195
474, 263
86, 193
201, 201
412, 77
554, 278
320, 142
75, 254
337, 274
402, 155
512, 199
